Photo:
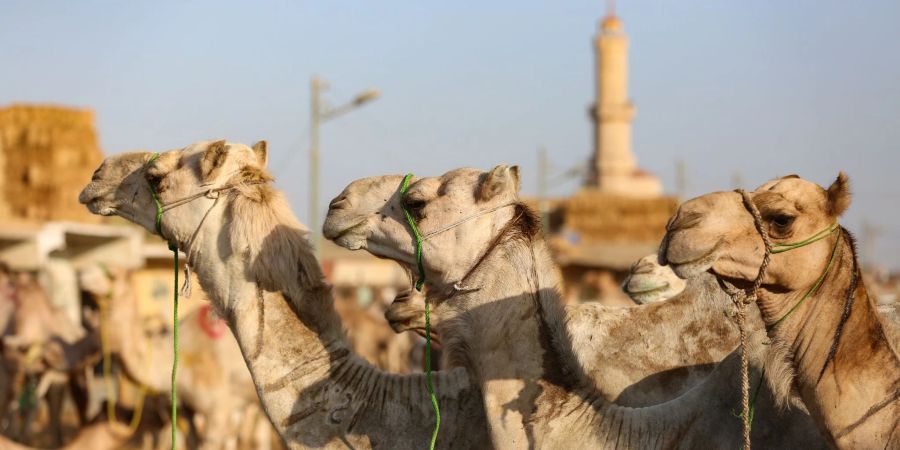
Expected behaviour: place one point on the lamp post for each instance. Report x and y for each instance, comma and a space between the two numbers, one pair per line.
320, 112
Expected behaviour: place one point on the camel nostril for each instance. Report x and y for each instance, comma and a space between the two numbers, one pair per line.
683, 220
339, 203
642, 268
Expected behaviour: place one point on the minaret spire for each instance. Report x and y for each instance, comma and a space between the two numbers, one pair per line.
614, 168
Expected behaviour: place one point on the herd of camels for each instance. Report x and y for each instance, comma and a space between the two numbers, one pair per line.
522, 369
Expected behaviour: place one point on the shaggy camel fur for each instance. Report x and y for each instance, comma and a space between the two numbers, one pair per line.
213, 380
845, 368
500, 315
252, 258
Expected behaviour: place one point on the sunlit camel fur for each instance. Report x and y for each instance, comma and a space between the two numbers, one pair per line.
252, 258
846, 370
499, 314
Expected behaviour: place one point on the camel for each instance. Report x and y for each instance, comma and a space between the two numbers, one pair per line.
648, 281
812, 298
40, 343
499, 314
252, 259
212, 379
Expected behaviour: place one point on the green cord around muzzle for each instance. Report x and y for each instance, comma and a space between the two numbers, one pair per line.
419, 283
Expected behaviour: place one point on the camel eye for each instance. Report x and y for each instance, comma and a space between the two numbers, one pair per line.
154, 180
782, 221
413, 204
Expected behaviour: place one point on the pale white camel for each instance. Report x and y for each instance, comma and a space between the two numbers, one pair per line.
252, 258
213, 380
499, 314
648, 281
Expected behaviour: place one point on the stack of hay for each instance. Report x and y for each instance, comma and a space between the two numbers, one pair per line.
47, 154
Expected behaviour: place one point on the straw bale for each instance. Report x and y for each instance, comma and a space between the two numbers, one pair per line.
47, 154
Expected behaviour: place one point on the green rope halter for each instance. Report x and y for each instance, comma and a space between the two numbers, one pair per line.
781, 248
815, 287
419, 283
174, 392
770, 248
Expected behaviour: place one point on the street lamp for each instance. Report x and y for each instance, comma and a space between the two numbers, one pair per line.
321, 112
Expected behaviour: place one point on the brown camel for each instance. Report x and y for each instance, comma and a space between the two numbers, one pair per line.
812, 298
252, 258
499, 314
42, 347
213, 381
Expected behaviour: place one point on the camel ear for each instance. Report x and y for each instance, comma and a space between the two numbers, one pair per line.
213, 159
499, 180
262, 153
838, 195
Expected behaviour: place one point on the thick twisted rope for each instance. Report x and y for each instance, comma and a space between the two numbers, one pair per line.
741, 301
742, 298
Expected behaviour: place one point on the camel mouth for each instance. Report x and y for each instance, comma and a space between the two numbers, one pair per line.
352, 237
695, 267
643, 293
95, 206
634, 288
679, 251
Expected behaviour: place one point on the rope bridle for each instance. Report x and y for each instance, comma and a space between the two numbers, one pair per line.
213, 194
743, 297
420, 282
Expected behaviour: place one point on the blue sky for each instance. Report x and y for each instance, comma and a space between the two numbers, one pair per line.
764, 88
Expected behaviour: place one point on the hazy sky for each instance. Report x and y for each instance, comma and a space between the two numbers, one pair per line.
765, 88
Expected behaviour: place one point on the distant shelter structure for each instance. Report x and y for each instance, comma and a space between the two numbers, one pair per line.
47, 155
619, 214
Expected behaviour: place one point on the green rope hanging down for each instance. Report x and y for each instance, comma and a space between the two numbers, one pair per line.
419, 283
174, 393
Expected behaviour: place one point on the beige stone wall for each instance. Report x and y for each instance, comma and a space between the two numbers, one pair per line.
47, 154
601, 217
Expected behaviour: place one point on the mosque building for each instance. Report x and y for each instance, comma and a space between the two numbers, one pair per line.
619, 214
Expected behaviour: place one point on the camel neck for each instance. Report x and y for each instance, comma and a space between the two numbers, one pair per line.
835, 340
261, 275
510, 332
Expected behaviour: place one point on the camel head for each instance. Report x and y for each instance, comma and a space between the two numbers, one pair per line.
458, 214
407, 313
649, 282
121, 186
717, 232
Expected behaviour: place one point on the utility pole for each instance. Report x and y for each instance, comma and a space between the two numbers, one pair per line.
543, 173
737, 180
319, 113
315, 88
870, 232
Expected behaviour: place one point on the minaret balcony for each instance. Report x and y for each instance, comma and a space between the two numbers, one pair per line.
623, 112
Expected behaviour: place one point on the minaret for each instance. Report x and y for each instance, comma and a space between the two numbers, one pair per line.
614, 168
